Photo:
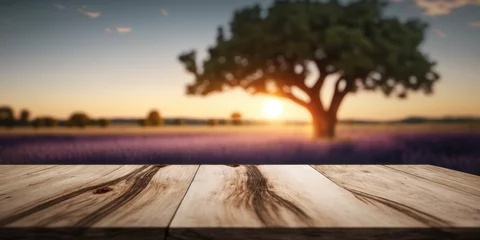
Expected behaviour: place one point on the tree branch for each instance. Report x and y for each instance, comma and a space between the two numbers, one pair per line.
291, 97
299, 78
317, 87
301, 85
283, 94
339, 95
314, 91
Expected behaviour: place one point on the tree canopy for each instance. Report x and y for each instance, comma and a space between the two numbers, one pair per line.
154, 118
271, 51
236, 118
7, 117
78, 119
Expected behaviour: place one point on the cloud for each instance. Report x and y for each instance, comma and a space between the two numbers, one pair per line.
118, 30
88, 14
123, 29
84, 6
164, 12
396, 0
442, 7
440, 33
58, 6
475, 24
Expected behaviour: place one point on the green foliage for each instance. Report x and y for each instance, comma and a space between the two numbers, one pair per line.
143, 122
154, 118
93, 122
178, 122
50, 122
7, 118
78, 119
24, 117
69, 124
38, 122
103, 122
236, 118
212, 122
353, 40
44, 122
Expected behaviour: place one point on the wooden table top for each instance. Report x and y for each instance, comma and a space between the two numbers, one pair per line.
238, 202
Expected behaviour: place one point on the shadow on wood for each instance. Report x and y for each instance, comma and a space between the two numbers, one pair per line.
322, 233
239, 233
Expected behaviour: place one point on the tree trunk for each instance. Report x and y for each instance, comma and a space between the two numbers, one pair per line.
323, 127
323, 122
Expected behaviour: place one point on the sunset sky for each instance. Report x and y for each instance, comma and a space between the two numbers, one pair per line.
118, 58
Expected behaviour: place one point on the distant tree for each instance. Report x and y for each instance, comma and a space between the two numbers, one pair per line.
24, 117
78, 119
178, 121
7, 118
351, 42
142, 122
69, 124
38, 122
236, 118
44, 122
103, 122
93, 122
154, 118
222, 122
212, 122
50, 122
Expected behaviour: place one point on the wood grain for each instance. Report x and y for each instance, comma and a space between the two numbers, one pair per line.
37, 184
237, 202
433, 201
455, 179
92, 200
259, 201
11, 173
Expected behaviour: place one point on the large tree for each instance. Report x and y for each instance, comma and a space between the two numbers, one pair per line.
272, 52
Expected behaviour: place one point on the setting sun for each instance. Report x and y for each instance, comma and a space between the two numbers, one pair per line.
272, 108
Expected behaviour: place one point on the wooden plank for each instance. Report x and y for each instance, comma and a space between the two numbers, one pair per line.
285, 202
435, 203
109, 202
30, 186
455, 179
9, 172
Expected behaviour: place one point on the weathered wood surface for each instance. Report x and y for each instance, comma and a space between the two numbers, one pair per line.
433, 203
283, 201
237, 202
455, 179
104, 201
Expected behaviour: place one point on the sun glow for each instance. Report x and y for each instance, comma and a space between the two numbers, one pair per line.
272, 109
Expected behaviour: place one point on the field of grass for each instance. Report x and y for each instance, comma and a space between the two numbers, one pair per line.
452, 146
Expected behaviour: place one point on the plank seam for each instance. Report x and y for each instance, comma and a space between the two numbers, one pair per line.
180, 204
338, 185
324, 175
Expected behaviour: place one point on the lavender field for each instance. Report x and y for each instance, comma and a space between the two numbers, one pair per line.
459, 150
